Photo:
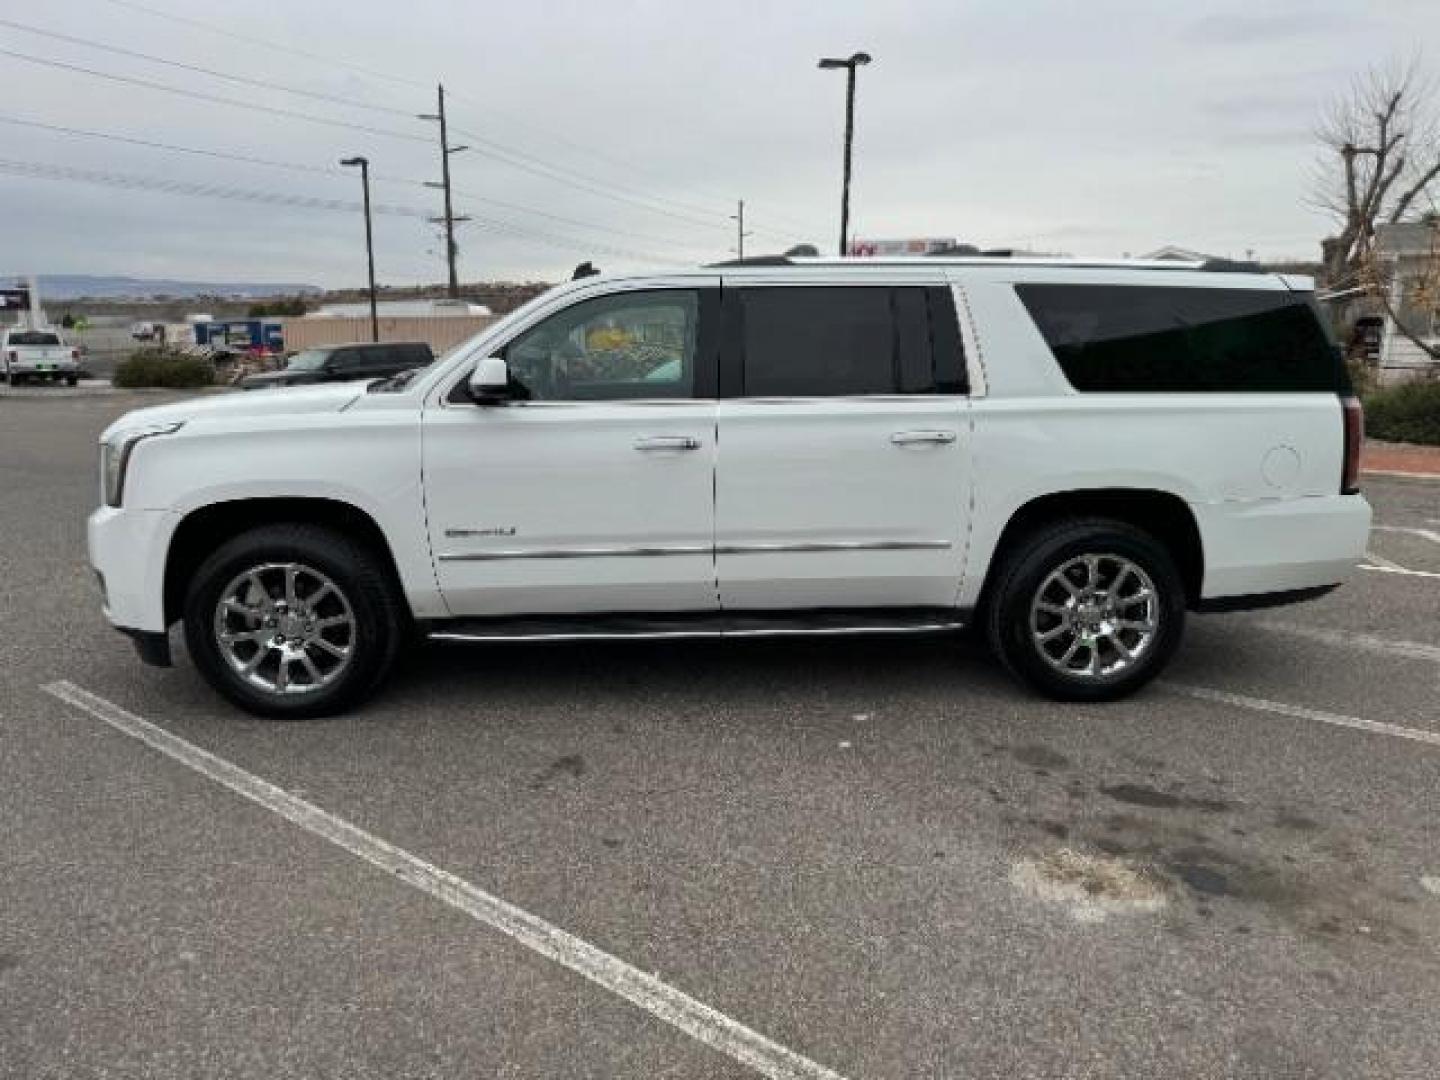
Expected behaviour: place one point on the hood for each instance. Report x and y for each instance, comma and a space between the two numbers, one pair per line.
280, 378
326, 398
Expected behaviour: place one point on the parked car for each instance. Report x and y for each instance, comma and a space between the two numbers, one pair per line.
1066, 456
343, 363
37, 355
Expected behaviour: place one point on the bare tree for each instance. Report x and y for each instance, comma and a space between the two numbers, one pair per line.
1380, 163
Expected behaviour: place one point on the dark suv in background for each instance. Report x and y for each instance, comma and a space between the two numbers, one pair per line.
343, 363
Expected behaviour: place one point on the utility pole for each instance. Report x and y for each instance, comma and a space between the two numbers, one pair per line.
740, 233
453, 289
859, 59
364, 164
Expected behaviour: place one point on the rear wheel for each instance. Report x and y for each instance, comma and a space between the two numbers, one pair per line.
1086, 609
72, 380
293, 621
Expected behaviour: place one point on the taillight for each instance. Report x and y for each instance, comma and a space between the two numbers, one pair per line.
74, 354
1354, 438
14, 356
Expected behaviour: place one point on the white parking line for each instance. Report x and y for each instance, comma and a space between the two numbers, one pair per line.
1424, 534
1411, 650
1392, 568
1300, 712
674, 1007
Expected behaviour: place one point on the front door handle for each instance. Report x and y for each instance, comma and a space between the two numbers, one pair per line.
667, 442
908, 438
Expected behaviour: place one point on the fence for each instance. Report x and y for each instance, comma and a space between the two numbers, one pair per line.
441, 333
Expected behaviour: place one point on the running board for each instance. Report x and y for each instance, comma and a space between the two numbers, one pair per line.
701, 625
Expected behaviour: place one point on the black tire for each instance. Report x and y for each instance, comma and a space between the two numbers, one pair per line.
1011, 622
360, 576
72, 380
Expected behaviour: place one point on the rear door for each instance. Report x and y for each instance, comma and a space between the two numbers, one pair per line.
843, 474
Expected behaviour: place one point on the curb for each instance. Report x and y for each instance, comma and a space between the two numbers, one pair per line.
1393, 473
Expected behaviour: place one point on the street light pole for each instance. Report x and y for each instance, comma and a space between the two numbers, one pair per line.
859, 59
364, 164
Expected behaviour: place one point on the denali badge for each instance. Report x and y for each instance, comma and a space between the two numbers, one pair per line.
498, 530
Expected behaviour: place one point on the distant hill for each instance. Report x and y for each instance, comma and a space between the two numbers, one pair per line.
99, 286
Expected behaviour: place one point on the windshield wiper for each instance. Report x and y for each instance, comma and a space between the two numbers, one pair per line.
394, 382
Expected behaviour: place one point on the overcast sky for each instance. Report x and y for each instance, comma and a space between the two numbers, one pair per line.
1097, 127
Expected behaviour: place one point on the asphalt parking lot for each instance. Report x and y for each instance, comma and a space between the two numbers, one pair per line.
867, 858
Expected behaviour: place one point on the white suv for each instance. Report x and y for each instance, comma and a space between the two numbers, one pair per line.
1068, 455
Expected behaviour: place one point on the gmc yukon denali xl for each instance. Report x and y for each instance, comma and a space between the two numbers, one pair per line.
1065, 455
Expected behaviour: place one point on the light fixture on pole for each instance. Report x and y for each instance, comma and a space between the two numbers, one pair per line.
364, 165
830, 63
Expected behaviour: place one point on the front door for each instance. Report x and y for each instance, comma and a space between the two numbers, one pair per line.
844, 469
595, 490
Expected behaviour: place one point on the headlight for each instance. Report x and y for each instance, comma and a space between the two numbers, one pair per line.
115, 457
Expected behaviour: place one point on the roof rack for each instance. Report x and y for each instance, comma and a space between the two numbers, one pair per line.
980, 258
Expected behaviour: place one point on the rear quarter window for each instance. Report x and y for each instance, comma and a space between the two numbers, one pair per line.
1145, 338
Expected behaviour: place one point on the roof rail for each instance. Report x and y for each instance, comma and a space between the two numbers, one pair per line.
754, 260
1232, 266
973, 257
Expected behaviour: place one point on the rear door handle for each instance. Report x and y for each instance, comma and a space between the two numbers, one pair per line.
667, 442
907, 438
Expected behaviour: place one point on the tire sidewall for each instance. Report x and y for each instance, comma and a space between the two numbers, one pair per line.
1010, 617
376, 635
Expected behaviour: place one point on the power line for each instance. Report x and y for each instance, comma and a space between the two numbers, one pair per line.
508, 155
333, 99
320, 170
45, 171
270, 44
131, 181
486, 147
149, 144
489, 148
571, 244
200, 95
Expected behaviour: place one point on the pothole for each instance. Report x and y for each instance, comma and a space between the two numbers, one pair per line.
1090, 887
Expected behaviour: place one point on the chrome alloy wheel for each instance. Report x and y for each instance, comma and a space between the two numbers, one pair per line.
1095, 616
285, 628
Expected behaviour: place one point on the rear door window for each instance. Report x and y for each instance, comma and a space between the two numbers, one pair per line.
1145, 338
846, 341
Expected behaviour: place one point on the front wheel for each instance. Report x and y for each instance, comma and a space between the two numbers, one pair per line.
292, 621
1086, 609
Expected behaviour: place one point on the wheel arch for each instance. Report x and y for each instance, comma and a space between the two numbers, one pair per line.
1163, 514
205, 528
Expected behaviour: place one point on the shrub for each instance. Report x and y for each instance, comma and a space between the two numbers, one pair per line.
1408, 412
160, 367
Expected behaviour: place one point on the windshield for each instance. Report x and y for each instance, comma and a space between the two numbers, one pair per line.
309, 360
34, 337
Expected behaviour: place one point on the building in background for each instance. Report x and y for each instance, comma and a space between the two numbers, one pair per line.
1409, 256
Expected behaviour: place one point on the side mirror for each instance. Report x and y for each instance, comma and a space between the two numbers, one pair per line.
490, 381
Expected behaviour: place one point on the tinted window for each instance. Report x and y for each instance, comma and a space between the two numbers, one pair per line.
819, 341
1157, 338
33, 337
624, 346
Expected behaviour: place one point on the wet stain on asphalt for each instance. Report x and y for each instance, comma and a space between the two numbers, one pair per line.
572, 765
1141, 795
1040, 757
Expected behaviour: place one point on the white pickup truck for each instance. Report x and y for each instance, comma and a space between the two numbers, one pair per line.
39, 355
1065, 455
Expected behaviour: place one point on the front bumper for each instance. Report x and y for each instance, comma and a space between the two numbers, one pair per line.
1281, 546
128, 550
